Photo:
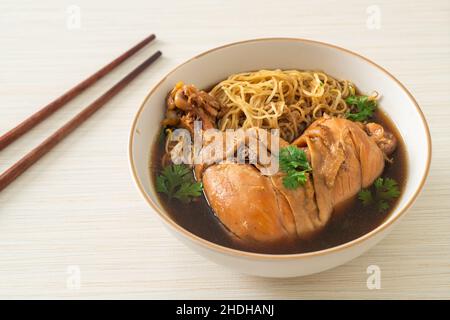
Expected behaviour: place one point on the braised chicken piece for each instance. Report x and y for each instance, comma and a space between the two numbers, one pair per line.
345, 157
303, 207
186, 102
239, 146
386, 141
247, 203
244, 196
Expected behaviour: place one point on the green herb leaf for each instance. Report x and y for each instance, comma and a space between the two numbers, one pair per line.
294, 179
362, 107
384, 191
161, 185
178, 182
294, 162
292, 158
188, 191
387, 189
383, 205
365, 196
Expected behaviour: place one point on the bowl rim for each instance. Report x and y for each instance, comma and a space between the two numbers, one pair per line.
253, 255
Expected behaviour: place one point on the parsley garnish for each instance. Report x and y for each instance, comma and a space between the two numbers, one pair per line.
362, 107
178, 182
384, 191
294, 163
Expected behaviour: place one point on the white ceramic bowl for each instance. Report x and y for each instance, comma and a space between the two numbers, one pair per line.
212, 66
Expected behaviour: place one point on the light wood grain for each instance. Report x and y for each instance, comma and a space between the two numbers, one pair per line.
78, 206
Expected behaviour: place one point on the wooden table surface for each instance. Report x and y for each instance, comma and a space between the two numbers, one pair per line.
74, 225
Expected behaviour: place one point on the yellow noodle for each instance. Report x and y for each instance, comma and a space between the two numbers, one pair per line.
289, 100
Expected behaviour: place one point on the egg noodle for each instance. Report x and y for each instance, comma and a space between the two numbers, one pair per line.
288, 100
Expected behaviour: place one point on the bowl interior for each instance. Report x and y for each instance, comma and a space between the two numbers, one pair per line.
217, 64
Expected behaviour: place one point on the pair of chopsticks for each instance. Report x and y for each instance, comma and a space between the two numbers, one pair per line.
35, 154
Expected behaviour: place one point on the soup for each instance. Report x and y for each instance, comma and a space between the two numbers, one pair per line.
250, 226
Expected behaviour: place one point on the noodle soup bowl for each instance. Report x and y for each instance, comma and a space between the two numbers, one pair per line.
217, 64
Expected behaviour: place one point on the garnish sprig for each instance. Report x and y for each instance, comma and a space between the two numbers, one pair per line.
294, 162
177, 181
381, 194
362, 107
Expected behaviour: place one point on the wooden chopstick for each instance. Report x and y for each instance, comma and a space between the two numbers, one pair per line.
10, 136
34, 155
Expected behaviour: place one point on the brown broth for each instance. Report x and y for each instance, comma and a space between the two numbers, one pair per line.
349, 222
